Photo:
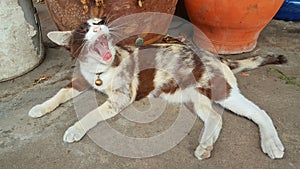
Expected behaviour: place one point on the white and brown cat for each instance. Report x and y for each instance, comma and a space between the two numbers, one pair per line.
169, 71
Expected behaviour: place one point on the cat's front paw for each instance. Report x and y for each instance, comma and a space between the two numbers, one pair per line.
74, 133
273, 147
36, 111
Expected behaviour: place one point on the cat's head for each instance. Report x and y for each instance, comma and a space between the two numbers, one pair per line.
90, 39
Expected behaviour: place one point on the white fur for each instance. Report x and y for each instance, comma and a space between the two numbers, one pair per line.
60, 37
62, 96
248, 64
90, 67
79, 129
95, 30
270, 141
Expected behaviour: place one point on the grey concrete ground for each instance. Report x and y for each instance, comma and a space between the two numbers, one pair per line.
37, 143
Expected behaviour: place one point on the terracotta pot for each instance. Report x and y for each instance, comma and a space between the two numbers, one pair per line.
232, 26
68, 14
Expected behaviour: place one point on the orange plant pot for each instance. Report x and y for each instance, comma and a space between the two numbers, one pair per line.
231, 26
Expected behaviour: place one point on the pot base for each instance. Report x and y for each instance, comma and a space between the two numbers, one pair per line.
227, 41
222, 48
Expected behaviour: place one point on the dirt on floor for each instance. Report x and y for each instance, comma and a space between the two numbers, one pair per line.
37, 143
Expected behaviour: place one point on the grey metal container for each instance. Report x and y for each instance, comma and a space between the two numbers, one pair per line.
21, 47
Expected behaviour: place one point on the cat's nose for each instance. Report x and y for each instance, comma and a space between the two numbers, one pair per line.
97, 29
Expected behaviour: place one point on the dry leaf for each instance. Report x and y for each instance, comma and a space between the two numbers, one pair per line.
244, 74
41, 79
140, 3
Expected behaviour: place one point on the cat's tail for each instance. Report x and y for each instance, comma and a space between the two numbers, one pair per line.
254, 62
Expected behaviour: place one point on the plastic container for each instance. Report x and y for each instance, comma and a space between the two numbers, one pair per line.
290, 11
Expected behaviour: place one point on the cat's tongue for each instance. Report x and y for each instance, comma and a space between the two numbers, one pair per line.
107, 56
101, 47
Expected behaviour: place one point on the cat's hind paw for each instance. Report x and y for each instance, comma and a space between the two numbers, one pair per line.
36, 111
74, 133
203, 153
273, 147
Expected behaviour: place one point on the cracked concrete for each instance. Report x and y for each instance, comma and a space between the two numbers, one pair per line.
37, 143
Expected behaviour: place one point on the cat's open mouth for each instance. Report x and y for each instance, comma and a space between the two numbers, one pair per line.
101, 47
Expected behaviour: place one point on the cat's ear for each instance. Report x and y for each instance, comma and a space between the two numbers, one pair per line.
61, 38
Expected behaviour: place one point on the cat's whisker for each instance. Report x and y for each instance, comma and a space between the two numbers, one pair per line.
117, 32
78, 39
116, 35
118, 27
112, 27
82, 33
109, 17
80, 47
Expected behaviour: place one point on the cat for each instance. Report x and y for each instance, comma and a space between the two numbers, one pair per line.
172, 72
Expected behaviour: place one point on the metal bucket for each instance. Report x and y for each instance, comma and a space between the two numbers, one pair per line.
21, 48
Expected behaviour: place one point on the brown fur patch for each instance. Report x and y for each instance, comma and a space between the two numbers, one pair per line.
217, 89
117, 60
78, 82
146, 83
271, 59
126, 48
199, 68
170, 87
190, 106
77, 39
233, 65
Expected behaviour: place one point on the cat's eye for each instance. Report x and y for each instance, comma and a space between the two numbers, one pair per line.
101, 22
84, 27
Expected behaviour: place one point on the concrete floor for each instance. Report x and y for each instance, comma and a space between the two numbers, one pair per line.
37, 143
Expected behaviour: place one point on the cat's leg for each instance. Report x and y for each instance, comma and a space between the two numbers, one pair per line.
107, 110
252, 63
212, 126
61, 96
270, 142
72, 90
